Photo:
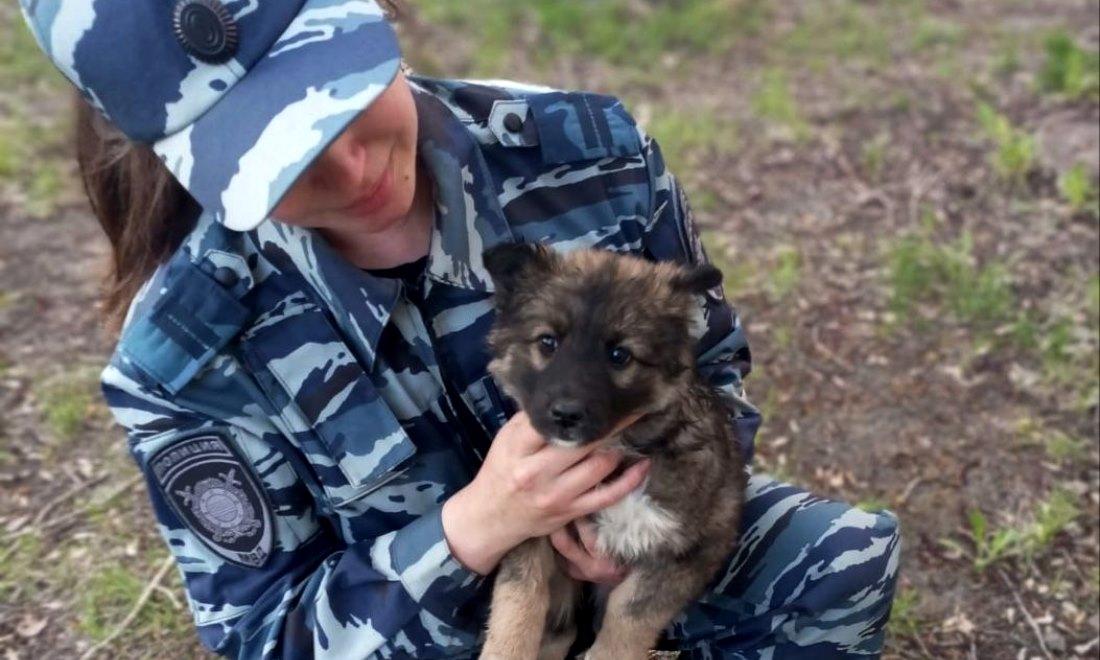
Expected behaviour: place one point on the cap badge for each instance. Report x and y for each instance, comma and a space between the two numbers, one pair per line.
205, 29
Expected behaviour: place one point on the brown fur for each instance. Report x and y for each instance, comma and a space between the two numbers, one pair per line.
592, 302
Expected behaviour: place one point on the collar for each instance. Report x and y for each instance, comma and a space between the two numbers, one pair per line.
468, 221
468, 218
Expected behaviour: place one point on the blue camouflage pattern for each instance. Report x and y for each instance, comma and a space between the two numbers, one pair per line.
235, 134
334, 387
333, 382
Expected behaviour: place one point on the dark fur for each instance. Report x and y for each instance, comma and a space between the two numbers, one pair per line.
592, 302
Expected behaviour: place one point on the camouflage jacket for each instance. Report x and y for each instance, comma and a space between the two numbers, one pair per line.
295, 416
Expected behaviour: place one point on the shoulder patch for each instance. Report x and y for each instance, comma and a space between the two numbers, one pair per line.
213, 491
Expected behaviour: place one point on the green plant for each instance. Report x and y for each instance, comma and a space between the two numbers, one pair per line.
922, 271
1077, 187
990, 546
904, 621
873, 505
1052, 516
1069, 69
1014, 149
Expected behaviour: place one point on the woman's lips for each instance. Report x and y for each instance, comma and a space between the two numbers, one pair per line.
376, 197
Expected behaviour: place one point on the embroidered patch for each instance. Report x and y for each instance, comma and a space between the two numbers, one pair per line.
215, 493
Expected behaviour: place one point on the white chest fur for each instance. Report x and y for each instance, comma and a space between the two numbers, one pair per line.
636, 526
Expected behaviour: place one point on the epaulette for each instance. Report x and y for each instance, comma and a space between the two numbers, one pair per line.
190, 312
567, 126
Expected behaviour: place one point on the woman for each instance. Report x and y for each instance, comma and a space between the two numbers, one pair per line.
297, 229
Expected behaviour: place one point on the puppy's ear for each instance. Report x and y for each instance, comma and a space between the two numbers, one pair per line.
510, 263
697, 279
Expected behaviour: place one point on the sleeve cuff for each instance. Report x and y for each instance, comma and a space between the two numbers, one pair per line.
419, 557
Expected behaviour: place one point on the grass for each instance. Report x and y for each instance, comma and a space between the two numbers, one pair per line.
1069, 70
904, 621
16, 562
845, 31
990, 545
110, 593
933, 33
627, 33
923, 272
66, 401
872, 156
785, 275
34, 133
687, 139
1058, 445
776, 276
21, 61
44, 190
1078, 189
873, 505
1013, 156
774, 102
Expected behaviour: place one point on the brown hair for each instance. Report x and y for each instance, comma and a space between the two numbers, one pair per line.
141, 207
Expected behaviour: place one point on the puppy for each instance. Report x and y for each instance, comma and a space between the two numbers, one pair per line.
584, 341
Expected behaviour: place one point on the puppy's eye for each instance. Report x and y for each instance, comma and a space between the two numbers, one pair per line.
548, 343
619, 356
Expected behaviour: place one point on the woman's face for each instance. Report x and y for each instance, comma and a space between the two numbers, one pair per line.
366, 178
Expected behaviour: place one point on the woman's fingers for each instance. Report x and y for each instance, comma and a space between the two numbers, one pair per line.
583, 565
586, 530
565, 544
581, 477
520, 435
551, 461
605, 495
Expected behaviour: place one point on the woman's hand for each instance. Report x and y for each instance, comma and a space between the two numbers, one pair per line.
528, 488
584, 561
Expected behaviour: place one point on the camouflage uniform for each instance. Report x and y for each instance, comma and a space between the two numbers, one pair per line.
299, 420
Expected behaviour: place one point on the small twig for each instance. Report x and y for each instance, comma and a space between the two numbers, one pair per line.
924, 649
1073, 564
1027, 615
76, 512
1082, 649
64, 496
828, 353
169, 561
909, 488
167, 593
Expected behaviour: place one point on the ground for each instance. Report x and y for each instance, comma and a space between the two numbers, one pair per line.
902, 195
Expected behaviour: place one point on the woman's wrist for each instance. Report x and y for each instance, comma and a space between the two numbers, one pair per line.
476, 534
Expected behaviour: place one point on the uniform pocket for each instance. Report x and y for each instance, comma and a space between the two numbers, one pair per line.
348, 434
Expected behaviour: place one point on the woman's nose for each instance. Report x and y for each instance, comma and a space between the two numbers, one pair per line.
342, 165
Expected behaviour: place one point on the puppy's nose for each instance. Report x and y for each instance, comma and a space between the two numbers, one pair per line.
567, 414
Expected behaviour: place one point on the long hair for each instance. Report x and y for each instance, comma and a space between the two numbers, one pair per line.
142, 209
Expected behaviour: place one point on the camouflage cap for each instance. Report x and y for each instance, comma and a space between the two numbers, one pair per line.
236, 97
